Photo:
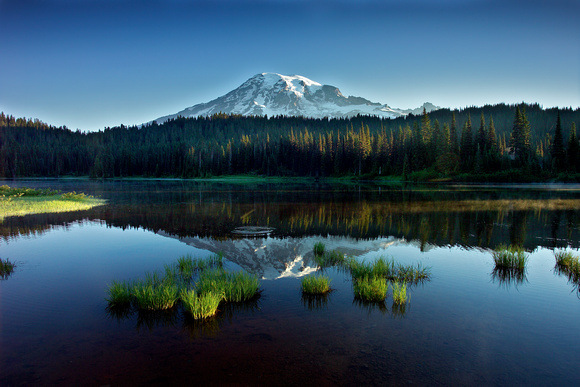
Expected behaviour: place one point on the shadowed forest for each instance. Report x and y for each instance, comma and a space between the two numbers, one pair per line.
492, 143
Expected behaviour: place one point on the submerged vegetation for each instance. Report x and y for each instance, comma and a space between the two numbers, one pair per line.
24, 201
200, 299
6, 268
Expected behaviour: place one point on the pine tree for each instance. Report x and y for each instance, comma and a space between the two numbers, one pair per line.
573, 154
557, 151
481, 139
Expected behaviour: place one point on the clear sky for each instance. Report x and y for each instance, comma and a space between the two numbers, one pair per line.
88, 64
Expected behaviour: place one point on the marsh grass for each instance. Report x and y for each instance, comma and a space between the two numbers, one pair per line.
201, 306
510, 257
370, 289
313, 284
568, 264
188, 266
24, 201
399, 292
330, 258
6, 268
119, 294
389, 270
319, 249
155, 292
235, 287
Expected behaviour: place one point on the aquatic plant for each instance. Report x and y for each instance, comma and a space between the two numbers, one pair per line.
236, 287
155, 292
569, 264
370, 289
399, 292
188, 266
330, 258
388, 269
6, 268
313, 284
511, 257
319, 249
200, 306
119, 294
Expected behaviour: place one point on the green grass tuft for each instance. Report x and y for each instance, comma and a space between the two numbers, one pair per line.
236, 287
155, 292
399, 292
6, 268
370, 289
569, 264
330, 258
201, 306
188, 266
512, 257
119, 294
388, 269
315, 284
319, 249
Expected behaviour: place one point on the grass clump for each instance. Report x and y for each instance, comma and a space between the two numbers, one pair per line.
399, 292
119, 294
388, 269
569, 264
319, 249
330, 258
188, 266
6, 268
511, 257
235, 287
155, 292
200, 306
315, 284
370, 289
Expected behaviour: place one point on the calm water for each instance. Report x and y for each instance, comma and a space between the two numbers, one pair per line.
463, 327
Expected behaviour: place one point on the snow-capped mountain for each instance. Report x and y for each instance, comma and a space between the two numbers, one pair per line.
274, 94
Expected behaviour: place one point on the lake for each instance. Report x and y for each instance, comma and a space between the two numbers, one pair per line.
466, 325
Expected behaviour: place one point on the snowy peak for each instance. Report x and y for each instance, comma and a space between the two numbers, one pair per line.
290, 95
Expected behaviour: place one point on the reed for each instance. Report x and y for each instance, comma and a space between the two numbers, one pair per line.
236, 287
188, 266
119, 294
315, 284
6, 268
511, 257
319, 249
200, 306
370, 289
399, 292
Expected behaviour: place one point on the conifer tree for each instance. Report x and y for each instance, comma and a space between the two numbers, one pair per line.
573, 153
557, 151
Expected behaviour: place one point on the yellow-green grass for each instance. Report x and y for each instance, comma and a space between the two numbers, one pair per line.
399, 292
388, 269
200, 306
330, 258
235, 287
119, 294
318, 249
25, 201
188, 265
313, 284
155, 292
569, 264
6, 268
370, 289
510, 257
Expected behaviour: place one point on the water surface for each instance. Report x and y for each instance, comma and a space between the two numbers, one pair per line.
464, 326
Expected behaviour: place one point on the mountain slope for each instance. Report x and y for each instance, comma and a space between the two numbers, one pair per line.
274, 94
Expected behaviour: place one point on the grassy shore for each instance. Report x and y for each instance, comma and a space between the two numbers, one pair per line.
25, 201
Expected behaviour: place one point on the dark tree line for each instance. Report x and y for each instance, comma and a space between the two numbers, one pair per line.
541, 142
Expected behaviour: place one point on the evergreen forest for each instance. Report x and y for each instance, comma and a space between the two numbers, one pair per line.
492, 143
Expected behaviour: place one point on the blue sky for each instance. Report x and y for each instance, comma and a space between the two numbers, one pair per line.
88, 64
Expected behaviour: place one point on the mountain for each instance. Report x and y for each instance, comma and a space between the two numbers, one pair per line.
274, 94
